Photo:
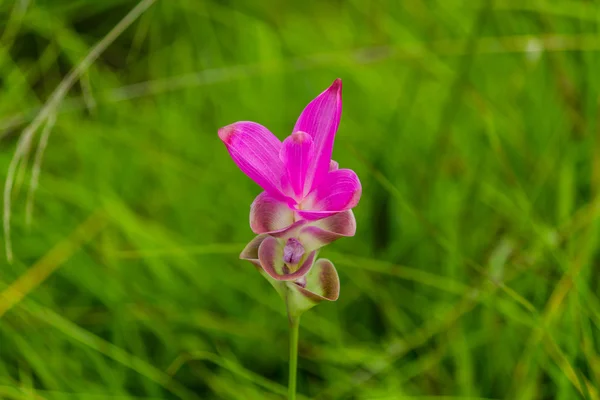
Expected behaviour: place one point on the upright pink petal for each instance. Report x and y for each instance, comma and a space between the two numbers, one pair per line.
256, 151
297, 154
320, 119
340, 191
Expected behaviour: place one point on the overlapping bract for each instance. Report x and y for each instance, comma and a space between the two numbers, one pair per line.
306, 202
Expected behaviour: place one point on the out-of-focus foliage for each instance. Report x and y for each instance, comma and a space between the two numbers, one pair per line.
472, 125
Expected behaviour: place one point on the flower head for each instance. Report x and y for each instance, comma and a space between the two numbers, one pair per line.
306, 202
300, 180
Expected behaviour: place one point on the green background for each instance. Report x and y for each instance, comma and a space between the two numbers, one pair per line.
473, 127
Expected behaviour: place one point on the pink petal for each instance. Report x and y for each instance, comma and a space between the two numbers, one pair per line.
269, 214
270, 254
340, 191
297, 154
255, 150
320, 119
327, 230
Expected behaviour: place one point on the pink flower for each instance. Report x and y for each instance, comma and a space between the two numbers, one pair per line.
301, 183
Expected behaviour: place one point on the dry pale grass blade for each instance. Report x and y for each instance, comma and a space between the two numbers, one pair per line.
48, 264
87, 95
24, 142
37, 167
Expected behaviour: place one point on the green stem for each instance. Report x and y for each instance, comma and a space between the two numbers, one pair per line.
294, 325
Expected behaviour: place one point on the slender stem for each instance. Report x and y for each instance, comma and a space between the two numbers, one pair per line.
294, 325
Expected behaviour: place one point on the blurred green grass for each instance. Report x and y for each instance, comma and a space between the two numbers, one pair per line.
474, 130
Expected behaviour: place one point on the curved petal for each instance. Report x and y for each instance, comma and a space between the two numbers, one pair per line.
321, 283
342, 224
327, 230
333, 165
320, 119
269, 214
255, 150
340, 191
297, 154
250, 252
290, 231
270, 254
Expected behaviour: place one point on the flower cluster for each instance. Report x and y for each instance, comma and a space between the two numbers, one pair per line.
306, 203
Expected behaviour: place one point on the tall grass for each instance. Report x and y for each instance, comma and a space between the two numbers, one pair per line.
473, 127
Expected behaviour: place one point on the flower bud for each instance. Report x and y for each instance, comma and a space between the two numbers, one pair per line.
293, 251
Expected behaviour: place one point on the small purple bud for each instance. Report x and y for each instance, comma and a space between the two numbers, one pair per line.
293, 251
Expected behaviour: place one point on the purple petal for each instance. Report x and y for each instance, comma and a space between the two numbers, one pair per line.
297, 154
270, 254
269, 214
340, 191
320, 119
255, 150
327, 230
